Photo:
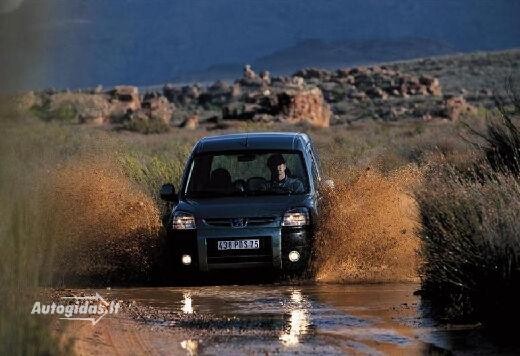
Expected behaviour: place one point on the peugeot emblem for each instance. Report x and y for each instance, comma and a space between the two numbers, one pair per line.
238, 222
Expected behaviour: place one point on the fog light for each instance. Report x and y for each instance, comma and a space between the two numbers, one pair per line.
294, 256
186, 260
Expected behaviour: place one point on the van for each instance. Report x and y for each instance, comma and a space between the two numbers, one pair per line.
246, 200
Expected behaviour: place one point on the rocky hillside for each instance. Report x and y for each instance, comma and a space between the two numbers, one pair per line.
428, 89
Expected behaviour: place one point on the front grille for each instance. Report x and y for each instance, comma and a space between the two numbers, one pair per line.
262, 254
250, 221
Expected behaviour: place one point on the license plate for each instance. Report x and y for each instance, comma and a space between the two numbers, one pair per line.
238, 245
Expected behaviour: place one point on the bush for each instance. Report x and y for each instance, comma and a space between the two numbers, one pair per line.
138, 122
150, 172
502, 138
64, 113
471, 247
470, 230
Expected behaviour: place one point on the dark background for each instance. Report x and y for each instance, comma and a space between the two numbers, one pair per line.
78, 43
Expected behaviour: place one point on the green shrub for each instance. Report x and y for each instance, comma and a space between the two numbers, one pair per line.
145, 125
66, 113
151, 171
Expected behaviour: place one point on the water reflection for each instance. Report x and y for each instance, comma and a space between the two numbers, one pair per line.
299, 321
191, 346
186, 308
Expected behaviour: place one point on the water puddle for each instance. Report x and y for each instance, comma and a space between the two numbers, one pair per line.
335, 319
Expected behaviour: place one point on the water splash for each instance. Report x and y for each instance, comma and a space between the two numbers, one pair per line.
106, 228
367, 228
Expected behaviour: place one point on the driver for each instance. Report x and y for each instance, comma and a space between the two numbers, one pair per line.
280, 181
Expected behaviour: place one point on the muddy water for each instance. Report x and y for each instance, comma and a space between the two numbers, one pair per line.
317, 319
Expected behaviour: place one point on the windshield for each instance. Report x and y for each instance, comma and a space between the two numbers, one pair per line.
247, 173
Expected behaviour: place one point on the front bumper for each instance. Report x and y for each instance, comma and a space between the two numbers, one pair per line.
275, 245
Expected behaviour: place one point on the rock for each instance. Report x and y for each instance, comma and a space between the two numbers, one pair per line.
124, 99
328, 86
349, 79
191, 122
171, 92
376, 92
98, 89
457, 106
236, 111
308, 73
159, 108
432, 85
305, 106
140, 121
297, 82
376, 69
128, 96
191, 91
138, 116
361, 96
248, 72
266, 77
92, 109
265, 118
235, 90
359, 70
486, 92
396, 112
219, 86
343, 72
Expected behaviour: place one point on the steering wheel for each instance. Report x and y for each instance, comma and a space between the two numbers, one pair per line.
257, 184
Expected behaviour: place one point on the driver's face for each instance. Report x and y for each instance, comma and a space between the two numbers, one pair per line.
279, 170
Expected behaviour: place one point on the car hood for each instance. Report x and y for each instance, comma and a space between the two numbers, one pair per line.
242, 206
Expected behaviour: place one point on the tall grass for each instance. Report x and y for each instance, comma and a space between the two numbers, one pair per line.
150, 172
471, 246
37, 234
26, 252
470, 228
502, 137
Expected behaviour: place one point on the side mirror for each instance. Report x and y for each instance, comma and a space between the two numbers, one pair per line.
168, 192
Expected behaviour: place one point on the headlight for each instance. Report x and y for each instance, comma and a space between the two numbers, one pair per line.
296, 217
183, 221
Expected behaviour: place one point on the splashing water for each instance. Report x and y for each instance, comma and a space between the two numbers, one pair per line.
106, 228
367, 231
